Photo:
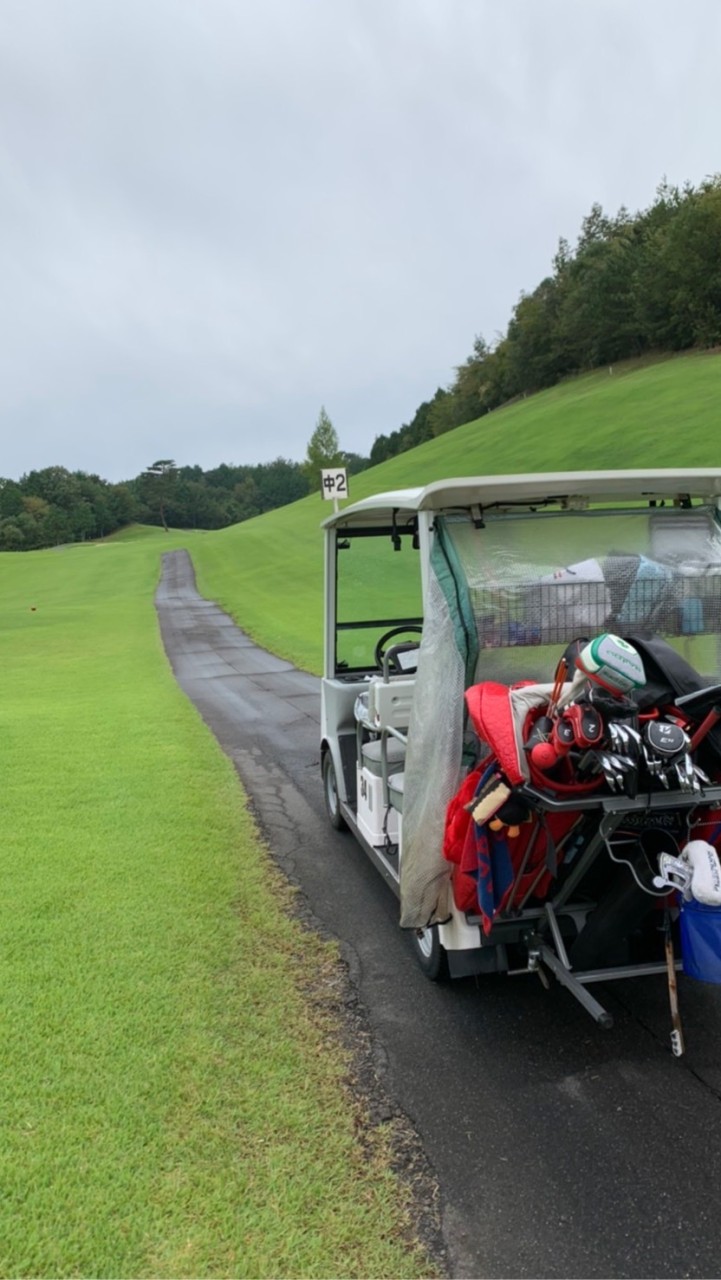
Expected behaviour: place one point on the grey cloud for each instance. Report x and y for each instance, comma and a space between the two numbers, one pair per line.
217, 215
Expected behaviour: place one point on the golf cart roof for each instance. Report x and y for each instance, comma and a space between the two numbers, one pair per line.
571, 487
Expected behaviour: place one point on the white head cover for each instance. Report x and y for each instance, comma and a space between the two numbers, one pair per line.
613, 663
705, 872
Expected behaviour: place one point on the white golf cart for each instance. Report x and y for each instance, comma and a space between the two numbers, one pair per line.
581, 828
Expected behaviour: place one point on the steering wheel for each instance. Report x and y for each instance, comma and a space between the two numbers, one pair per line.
379, 652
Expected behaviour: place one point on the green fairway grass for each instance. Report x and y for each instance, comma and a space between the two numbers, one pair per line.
268, 572
144, 532
171, 1106
132, 532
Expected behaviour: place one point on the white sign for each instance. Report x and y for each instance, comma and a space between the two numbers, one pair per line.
334, 482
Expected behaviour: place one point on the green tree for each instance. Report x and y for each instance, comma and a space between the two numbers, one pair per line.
246, 498
11, 498
36, 508
122, 505
11, 536
281, 481
442, 416
323, 449
381, 449
160, 480
679, 277
354, 462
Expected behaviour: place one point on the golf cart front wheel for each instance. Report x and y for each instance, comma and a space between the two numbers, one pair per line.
430, 954
330, 794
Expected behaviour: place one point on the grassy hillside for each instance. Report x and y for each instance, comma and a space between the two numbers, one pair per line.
268, 571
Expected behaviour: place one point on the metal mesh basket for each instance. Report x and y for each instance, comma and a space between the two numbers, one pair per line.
554, 613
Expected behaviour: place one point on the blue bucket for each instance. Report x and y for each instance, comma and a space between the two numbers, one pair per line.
701, 941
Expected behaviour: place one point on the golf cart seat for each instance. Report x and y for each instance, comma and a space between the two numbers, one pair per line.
384, 710
395, 791
389, 702
372, 756
382, 717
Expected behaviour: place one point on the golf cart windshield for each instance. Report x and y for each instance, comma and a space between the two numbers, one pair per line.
378, 585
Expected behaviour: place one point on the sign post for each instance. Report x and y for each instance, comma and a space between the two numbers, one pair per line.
334, 484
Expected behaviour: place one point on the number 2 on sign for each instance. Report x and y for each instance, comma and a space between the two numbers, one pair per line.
334, 483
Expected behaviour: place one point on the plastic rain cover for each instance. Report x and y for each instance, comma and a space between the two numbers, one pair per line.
504, 600
433, 760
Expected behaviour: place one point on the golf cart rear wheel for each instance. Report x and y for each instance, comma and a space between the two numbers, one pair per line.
330, 793
431, 956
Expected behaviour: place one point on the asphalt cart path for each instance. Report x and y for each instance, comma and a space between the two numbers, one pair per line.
560, 1149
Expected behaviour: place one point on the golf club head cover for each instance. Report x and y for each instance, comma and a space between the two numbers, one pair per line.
486, 804
512, 813
612, 663
705, 872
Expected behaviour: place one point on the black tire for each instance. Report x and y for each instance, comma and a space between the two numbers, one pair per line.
432, 958
330, 794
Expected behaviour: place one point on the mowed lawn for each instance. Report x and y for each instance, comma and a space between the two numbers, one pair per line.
268, 572
172, 1104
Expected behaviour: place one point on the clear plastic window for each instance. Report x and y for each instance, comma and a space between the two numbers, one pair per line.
538, 581
378, 590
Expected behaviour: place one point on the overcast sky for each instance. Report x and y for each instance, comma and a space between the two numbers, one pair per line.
218, 215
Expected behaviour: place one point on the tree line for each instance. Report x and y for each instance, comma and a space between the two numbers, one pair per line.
633, 284
54, 506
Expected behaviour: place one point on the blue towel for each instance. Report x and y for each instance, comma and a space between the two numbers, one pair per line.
495, 869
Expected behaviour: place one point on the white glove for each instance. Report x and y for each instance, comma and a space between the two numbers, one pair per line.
705, 872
